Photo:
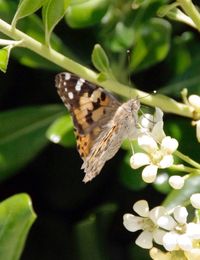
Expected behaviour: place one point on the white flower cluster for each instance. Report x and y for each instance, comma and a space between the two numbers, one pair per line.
158, 148
170, 230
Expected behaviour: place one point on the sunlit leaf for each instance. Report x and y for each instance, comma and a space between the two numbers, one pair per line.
83, 13
152, 45
52, 12
4, 57
100, 59
16, 218
25, 8
61, 131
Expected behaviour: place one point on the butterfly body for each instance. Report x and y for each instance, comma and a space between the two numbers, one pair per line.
101, 122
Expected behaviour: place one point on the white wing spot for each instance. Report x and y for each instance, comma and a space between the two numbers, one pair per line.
79, 84
66, 89
64, 83
67, 76
70, 95
63, 98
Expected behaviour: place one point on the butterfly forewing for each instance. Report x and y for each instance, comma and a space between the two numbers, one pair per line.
90, 106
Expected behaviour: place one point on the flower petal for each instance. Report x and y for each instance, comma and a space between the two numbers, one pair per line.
193, 230
149, 173
158, 115
132, 223
180, 214
138, 160
170, 241
184, 242
156, 213
141, 207
147, 143
169, 145
176, 182
144, 240
146, 121
158, 235
157, 132
166, 222
194, 100
166, 161
195, 200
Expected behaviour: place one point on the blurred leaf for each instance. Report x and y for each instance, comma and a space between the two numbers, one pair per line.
83, 13
161, 183
180, 197
33, 26
61, 131
4, 57
91, 233
25, 8
100, 59
152, 45
22, 135
131, 178
88, 245
123, 37
53, 11
16, 218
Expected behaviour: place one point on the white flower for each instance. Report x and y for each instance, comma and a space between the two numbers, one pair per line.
176, 182
152, 125
194, 101
147, 221
181, 234
195, 200
156, 156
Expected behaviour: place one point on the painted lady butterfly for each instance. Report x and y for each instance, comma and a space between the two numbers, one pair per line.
101, 122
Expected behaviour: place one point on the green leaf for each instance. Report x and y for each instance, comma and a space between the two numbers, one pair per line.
152, 44
100, 59
61, 131
25, 8
4, 57
22, 135
16, 218
52, 12
83, 13
123, 37
180, 197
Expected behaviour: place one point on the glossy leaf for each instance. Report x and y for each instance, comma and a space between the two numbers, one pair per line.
52, 12
61, 131
83, 13
25, 8
16, 218
100, 59
22, 135
180, 197
4, 57
152, 44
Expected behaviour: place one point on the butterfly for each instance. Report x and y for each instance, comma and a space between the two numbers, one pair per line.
101, 122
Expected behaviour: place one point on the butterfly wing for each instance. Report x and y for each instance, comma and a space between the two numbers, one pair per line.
90, 106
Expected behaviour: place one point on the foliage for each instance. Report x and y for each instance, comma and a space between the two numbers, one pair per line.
46, 36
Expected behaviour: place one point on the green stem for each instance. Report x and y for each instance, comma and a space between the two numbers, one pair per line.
161, 101
190, 9
183, 168
187, 159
